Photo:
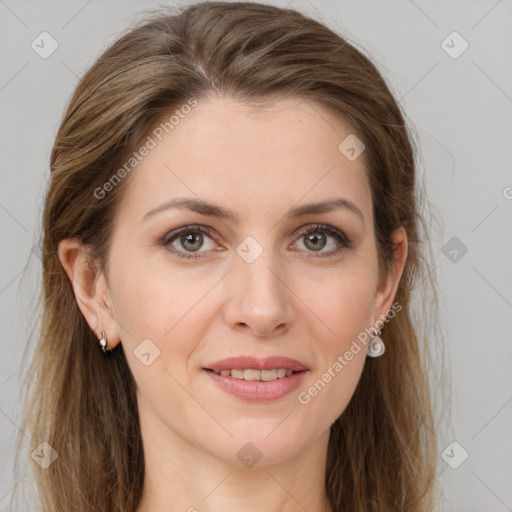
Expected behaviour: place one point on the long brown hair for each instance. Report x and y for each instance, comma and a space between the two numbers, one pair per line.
382, 450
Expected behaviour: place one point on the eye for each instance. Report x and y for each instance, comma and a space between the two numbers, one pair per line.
315, 238
190, 238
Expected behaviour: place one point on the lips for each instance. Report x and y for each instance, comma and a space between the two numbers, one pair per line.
256, 379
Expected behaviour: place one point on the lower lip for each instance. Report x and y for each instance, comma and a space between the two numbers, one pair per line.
256, 390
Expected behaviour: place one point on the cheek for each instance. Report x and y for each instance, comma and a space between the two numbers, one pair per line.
341, 358
343, 305
341, 302
171, 308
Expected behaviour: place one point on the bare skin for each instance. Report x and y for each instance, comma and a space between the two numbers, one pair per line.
299, 298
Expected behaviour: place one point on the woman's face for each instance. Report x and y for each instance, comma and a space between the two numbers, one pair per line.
235, 275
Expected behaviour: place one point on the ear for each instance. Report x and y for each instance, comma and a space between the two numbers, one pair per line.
91, 289
388, 284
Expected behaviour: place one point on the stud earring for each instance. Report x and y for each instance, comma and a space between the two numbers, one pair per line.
103, 341
376, 346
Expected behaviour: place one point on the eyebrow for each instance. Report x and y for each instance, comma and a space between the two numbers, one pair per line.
213, 210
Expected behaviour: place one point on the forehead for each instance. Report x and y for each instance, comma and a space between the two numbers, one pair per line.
276, 154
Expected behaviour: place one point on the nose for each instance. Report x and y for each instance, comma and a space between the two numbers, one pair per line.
259, 300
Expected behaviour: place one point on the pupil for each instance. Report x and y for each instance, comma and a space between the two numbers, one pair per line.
315, 238
192, 238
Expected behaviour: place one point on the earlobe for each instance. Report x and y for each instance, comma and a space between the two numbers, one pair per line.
90, 289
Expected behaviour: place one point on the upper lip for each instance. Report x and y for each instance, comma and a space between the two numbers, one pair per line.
254, 363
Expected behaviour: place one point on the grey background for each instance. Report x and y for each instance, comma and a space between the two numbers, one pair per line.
461, 108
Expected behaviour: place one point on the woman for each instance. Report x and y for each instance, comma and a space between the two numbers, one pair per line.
231, 239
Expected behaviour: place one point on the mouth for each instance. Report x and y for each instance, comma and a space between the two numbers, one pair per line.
253, 379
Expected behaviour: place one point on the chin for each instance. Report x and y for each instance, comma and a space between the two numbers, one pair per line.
261, 448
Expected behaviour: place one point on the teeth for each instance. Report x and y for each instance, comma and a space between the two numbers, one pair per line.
267, 375
263, 375
252, 374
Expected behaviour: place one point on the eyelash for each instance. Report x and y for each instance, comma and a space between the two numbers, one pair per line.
343, 240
